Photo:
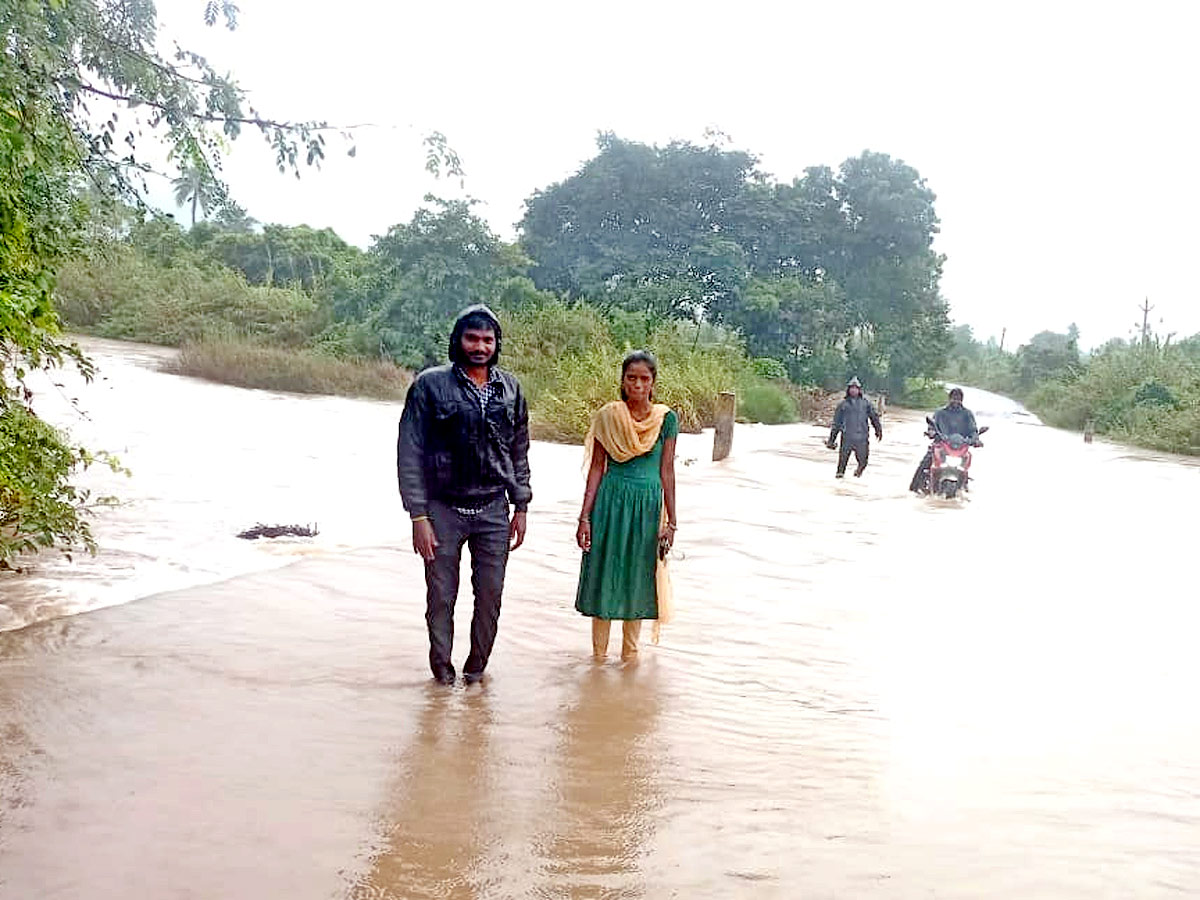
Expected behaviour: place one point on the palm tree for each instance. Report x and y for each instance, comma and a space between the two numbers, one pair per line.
193, 186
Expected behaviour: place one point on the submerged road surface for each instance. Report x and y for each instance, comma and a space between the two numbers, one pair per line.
864, 695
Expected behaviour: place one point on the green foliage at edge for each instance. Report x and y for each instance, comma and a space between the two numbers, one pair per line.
59, 59
1144, 391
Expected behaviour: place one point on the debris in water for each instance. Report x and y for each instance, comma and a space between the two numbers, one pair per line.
261, 530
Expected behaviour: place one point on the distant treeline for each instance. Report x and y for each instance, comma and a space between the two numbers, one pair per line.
689, 247
1145, 390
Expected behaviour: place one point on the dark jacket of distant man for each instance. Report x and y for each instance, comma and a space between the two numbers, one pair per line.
956, 419
461, 459
854, 418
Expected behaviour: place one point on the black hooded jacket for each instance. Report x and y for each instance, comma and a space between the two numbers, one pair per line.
854, 418
951, 420
450, 450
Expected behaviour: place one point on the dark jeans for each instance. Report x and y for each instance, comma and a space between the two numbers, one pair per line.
486, 535
861, 452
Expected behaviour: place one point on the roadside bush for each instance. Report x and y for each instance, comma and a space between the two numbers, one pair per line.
567, 355
246, 364
766, 403
1155, 393
1061, 405
39, 507
771, 369
123, 294
1148, 396
570, 365
920, 393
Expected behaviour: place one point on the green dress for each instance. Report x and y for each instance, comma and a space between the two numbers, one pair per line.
616, 578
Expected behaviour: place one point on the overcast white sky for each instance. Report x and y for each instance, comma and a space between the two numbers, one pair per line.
1061, 139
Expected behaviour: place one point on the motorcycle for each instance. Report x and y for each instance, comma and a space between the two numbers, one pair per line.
950, 465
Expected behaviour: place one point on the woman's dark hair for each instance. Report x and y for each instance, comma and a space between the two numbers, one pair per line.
956, 392
477, 319
639, 356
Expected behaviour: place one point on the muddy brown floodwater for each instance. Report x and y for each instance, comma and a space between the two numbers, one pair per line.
864, 695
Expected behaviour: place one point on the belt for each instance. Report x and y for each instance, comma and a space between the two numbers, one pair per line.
475, 507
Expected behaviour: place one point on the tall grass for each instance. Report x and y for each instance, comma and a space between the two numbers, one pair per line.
564, 356
129, 296
246, 364
922, 393
1149, 396
570, 365
568, 356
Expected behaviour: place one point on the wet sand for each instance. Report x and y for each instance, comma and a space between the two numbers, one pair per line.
864, 696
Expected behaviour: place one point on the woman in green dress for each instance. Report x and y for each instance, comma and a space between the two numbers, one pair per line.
627, 524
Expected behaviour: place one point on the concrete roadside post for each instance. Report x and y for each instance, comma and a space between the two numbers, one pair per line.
723, 437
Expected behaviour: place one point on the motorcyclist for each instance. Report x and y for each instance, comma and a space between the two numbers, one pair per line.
854, 418
953, 418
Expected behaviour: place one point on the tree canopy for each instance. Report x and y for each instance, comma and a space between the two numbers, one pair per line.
832, 265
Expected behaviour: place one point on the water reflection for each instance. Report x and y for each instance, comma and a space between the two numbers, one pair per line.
438, 826
601, 832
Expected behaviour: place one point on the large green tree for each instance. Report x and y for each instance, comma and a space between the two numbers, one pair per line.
796, 227
804, 322
643, 227
420, 274
832, 272
890, 270
1048, 355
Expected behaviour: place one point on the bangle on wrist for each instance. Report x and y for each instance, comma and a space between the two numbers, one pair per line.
420, 518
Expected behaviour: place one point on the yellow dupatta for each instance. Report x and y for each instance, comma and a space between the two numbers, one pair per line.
623, 437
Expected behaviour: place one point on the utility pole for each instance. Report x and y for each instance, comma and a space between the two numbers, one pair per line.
1003, 334
1145, 308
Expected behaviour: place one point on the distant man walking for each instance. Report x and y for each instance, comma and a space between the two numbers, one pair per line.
853, 418
462, 458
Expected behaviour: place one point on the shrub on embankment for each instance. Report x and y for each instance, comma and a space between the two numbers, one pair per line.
570, 364
1144, 395
564, 355
246, 364
126, 295
568, 356
1144, 391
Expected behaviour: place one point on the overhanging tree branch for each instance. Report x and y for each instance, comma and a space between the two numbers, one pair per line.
265, 124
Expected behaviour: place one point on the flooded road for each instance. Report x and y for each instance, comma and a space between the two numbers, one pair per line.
864, 695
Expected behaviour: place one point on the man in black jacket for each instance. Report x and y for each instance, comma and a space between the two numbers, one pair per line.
854, 417
953, 418
462, 458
